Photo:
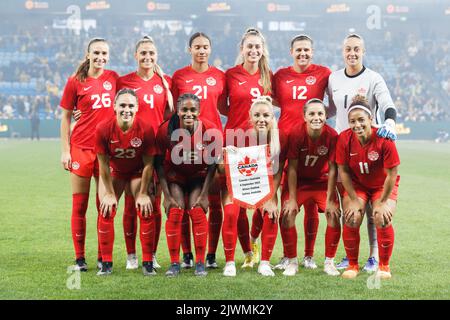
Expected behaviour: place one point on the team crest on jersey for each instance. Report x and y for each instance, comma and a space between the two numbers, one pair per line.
373, 156
322, 150
136, 142
310, 80
158, 89
211, 81
107, 85
200, 146
75, 165
362, 91
247, 167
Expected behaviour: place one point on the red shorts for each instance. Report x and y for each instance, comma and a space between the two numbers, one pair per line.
182, 179
126, 176
84, 162
309, 193
373, 194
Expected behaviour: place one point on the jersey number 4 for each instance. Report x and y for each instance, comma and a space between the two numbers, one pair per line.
103, 100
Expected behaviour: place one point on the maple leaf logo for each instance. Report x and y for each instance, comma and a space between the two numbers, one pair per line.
248, 166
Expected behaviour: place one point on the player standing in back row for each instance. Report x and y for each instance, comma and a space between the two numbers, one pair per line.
343, 85
90, 91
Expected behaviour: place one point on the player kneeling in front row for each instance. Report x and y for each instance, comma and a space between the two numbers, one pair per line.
125, 148
368, 167
312, 175
186, 164
264, 130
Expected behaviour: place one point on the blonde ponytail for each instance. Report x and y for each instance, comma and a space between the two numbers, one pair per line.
169, 96
274, 132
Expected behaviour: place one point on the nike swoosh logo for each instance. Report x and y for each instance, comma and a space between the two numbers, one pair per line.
86, 89
129, 234
114, 141
101, 231
78, 235
135, 90
289, 81
146, 232
353, 154
171, 235
241, 83
199, 234
189, 81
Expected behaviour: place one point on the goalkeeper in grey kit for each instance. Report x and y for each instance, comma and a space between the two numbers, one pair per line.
343, 85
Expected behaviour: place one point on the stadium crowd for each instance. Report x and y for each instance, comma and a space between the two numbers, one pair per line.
34, 66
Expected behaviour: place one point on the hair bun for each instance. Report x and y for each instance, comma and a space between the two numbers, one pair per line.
252, 29
360, 99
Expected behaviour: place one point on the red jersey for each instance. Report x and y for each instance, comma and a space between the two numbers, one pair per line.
192, 154
151, 94
95, 99
292, 90
367, 163
125, 149
313, 156
243, 88
209, 86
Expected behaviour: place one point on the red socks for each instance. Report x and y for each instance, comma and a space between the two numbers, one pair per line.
310, 226
157, 216
147, 236
332, 237
385, 237
173, 233
78, 222
289, 237
229, 230
130, 224
268, 237
351, 243
97, 204
200, 230
186, 233
106, 236
257, 224
244, 230
215, 222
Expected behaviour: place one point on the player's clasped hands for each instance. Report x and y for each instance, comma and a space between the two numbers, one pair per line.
108, 205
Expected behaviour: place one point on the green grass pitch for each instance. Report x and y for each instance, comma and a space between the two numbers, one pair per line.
36, 246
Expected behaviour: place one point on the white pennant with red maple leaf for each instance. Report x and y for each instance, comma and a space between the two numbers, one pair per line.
249, 175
